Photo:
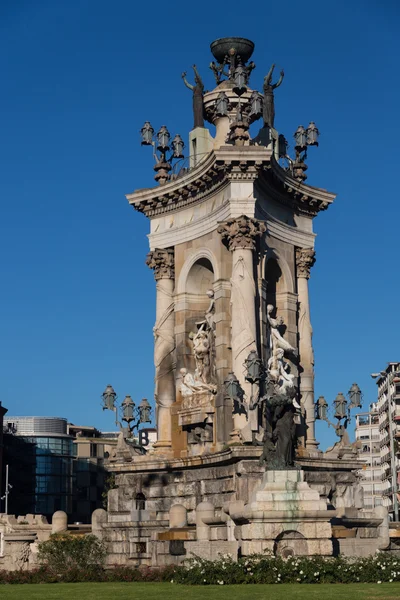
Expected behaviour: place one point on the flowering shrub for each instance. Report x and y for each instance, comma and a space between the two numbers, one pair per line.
269, 569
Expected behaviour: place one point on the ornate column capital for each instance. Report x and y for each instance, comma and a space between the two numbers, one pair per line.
241, 232
162, 262
305, 259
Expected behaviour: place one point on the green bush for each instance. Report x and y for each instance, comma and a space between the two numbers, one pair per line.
67, 555
63, 562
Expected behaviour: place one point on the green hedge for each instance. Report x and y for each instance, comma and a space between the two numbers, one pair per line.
253, 569
269, 569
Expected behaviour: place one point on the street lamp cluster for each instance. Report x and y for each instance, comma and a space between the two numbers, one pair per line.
342, 410
130, 414
303, 138
161, 143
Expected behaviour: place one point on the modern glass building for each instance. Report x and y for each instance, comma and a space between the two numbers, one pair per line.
51, 488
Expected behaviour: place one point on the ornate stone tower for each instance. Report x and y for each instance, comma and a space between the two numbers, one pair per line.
236, 467
229, 237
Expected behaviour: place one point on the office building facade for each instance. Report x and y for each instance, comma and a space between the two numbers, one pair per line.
368, 444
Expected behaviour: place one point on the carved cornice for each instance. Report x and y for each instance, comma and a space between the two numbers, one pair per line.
226, 165
162, 262
241, 232
214, 172
283, 187
305, 259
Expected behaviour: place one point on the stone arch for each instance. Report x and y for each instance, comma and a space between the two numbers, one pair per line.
201, 256
290, 543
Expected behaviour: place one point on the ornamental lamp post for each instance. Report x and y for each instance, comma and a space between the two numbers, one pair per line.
240, 79
355, 396
130, 414
147, 133
177, 146
163, 137
161, 144
145, 411
300, 139
109, 397
128, 408
232, 386
312, 134
322, 409
342, 411
254, 368
340, 405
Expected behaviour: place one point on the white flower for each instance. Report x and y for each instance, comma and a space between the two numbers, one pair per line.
221, 582
390, 580
172, 581
379, 582
298, 579
301, 572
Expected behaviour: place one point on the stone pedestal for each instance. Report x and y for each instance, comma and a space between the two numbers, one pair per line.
196, 417
285, 516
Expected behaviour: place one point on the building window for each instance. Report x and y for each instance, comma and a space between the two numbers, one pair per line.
140, 501
93, 450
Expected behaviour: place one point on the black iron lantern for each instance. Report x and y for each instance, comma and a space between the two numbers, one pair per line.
312, 134
300, 138
109, 397
163, 137
147, 133
232, 386
221, 105
340, 405
255, 104
144, 411
177, 146
240, 80
322, 409
128, 409
282, 146
355, 396
254, 368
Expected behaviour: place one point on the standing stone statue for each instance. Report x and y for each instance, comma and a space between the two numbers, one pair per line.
198, 92
280, 404
269, 87
202, 352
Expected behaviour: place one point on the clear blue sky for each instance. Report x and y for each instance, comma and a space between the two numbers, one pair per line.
79, 78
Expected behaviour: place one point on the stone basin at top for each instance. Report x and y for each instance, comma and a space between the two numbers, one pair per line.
220, 48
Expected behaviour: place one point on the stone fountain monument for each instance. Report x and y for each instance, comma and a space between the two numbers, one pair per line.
236, 467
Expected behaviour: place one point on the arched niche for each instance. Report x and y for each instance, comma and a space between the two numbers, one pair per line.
206, 260
290, 543
278, 274
200, 277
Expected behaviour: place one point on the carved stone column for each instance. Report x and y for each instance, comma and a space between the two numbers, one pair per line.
162, 262
305, 258
241, 234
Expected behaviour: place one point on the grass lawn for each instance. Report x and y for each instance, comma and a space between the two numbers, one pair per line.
168, 591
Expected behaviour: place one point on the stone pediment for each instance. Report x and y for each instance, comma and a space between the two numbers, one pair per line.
226, 165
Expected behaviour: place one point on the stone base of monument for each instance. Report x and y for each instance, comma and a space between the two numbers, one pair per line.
284, 516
